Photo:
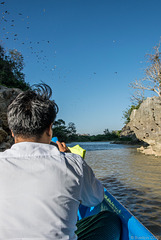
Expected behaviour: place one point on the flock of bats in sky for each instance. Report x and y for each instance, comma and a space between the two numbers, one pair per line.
36, 48
8, 26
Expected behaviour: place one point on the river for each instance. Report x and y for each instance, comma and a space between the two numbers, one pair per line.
132, 177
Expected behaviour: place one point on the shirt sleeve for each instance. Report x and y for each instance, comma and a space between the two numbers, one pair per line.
92, 191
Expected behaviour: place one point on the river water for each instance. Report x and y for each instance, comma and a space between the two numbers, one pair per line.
132, 177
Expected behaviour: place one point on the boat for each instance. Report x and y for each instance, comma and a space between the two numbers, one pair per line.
131, 227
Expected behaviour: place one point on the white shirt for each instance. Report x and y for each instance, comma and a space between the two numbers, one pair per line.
40, 192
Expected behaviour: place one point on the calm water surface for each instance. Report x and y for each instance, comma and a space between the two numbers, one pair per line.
133, 178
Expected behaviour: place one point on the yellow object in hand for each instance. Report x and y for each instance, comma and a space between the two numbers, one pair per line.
78, 150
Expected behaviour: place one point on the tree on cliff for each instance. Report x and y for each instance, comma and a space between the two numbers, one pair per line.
11, 67
128, 111
152, 79
151, 82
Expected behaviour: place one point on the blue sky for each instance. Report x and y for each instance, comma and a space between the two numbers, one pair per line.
88, 51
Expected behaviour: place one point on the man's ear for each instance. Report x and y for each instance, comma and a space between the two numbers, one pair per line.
12, 134
49, 131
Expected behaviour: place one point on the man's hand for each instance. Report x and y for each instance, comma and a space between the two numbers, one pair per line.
62, 147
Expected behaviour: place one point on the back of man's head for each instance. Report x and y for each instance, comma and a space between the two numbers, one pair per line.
32, 112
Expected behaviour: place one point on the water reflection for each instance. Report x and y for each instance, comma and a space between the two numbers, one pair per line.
133, 178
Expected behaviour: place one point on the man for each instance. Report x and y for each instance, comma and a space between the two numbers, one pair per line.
41, 187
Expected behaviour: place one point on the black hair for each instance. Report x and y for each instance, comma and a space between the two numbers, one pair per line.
32, 112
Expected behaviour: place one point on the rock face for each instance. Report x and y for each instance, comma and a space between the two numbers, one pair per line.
145, 124
7, 95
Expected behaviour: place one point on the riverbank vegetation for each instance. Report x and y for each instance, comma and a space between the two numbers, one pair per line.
68, 133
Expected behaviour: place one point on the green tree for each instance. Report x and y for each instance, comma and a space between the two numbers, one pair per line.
71, 128
106, 131
11, 67
60, 130
72, 136
127, 112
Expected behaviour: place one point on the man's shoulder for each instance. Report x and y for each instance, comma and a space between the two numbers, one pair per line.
26, 149
75, 158
74, 161
5, 153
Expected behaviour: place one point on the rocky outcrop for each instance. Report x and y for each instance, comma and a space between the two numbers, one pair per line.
145, 124
7, 95
128, 133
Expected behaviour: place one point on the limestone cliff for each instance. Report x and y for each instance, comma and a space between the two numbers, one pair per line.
145, 124
7, 95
